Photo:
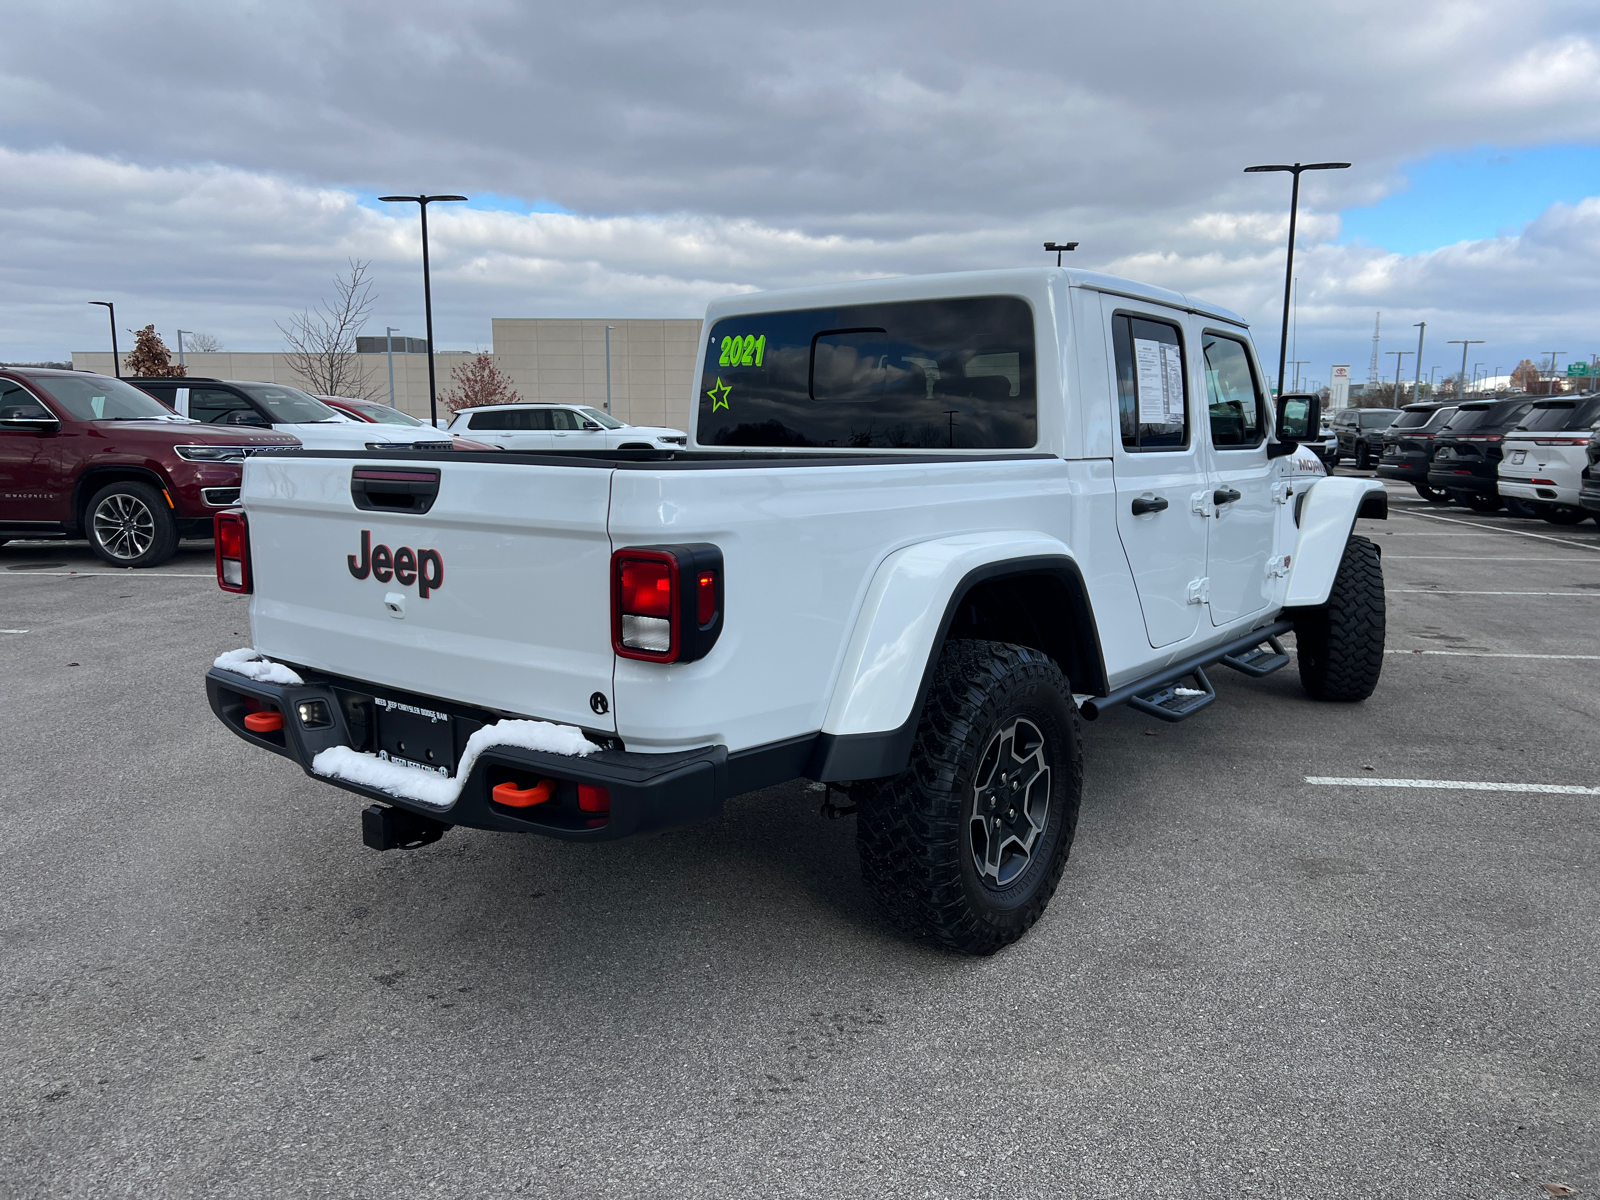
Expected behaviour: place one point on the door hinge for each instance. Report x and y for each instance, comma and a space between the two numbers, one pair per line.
1200, 590
1201, 503
1281, 492
1277, 565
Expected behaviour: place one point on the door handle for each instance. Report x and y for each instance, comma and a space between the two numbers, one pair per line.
1142, 506
1224, 496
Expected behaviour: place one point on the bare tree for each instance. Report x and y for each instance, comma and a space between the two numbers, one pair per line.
477, 382
322, 342
202, 343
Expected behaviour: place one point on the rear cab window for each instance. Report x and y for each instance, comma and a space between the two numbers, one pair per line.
942, 374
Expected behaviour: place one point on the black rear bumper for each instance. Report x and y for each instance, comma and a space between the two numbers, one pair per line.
647, 791
1468, 480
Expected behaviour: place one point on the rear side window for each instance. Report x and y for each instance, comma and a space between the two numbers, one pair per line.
917, 375
1412, 420
1152, 384
216, 406
1467, 418
1238, 409
515, 418
1555, 416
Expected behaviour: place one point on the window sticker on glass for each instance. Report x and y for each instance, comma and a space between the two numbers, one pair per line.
746, 351
719, 394
1160, 382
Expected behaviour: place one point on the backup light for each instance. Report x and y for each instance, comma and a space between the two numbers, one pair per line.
232, 535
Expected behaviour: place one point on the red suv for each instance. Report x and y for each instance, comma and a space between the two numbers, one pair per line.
84, 455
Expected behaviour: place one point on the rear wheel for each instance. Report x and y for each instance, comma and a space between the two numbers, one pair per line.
1562, 514
1433, 495
130, 524
1483, 502
1363, 457
967, 844
1520, 508
1340, 645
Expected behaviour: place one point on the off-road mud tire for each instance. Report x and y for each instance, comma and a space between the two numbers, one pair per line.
1340, 645
915, 830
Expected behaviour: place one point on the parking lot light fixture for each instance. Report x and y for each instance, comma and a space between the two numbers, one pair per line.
1288, 271
181, 332
422, 202
1416, 386
388, 343
1060, 249
1461, 385
116, 358
1400, 357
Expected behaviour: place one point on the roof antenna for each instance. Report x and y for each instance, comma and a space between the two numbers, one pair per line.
1061, 249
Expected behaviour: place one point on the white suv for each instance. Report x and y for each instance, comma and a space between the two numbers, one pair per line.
1542, 458
559, 427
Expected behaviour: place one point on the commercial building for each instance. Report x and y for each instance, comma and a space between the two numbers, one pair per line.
551, 359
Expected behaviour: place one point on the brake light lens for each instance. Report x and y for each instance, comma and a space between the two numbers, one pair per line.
232, 536
666, 602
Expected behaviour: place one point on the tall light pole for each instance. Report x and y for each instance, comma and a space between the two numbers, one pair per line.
422, 203
181, 332
388, 345
116, 358
1431, 386
1461, 386
1399, 358
1296, 363
609, 328
1416, 387
1061, 249
1552, 354
1288, 272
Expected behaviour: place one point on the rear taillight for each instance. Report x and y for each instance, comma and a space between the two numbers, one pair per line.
233, 551
1580, 439
666, 602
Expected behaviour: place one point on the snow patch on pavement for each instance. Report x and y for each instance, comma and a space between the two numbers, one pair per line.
438, 791
253, 665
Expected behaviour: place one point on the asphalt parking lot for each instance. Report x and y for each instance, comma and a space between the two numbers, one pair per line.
1247, 984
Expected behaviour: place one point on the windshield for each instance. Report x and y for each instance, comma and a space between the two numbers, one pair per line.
98, 398
290, 406
601, 419
384, 415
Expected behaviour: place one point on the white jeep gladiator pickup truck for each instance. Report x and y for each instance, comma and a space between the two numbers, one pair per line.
922, 526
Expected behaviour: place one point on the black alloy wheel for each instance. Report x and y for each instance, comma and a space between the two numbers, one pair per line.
130, 524
1363, 457
1484, 502
1561, 514
1433, 495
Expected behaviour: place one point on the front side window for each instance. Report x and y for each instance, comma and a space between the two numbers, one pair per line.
566, 420
1152, 384
916, 374
17, 403
1238, 409
219, 406
89, 397
601, 419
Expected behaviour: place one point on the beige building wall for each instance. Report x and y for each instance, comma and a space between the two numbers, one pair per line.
546, 359
652, 362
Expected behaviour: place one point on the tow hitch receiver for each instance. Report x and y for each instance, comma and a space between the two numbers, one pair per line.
385, 828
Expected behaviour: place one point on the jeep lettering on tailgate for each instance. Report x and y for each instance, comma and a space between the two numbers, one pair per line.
405, 566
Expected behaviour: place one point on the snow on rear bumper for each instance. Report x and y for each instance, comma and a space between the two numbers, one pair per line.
647, 791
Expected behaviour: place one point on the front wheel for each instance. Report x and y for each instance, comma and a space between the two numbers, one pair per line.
130, 525
1363, 457
1340, 645
967, 844
1433, 495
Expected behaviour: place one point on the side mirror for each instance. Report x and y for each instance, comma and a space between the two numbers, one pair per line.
1299, 420
591, 425
44, 423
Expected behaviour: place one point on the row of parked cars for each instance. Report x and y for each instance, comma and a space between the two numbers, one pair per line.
1534, 456
135, 465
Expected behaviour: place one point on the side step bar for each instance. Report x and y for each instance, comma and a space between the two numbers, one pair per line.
1157, 694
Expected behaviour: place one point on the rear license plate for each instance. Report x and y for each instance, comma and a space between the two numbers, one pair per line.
414, 736
1518, 455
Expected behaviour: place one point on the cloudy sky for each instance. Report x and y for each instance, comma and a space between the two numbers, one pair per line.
213, 165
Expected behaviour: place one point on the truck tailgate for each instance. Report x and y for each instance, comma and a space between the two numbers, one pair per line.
518, 620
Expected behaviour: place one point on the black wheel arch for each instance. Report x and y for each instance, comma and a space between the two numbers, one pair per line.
96, 477
1006, 601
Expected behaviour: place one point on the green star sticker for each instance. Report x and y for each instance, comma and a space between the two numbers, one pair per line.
719, 395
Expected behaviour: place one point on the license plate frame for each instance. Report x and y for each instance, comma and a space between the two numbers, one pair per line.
414, 736
1518, 457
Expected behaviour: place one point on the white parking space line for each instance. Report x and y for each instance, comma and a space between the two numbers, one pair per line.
1480, 558
1493, 654
1456, 785
1543, 537
1447, 592
117, 574
13, 631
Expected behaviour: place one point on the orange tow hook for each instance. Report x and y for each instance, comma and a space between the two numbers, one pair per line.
267, 721
511, 795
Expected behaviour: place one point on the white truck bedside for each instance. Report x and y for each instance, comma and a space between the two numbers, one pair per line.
921, 529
